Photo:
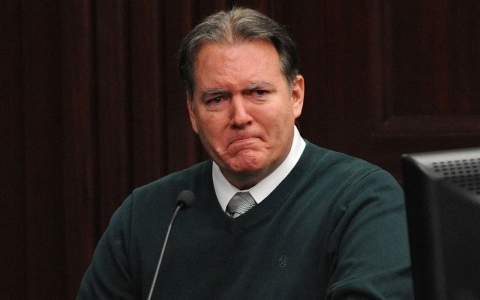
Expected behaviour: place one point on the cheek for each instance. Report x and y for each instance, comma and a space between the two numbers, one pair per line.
277, 119
279, 126
210, 129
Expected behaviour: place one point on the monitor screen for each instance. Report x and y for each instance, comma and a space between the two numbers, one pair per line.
442, 196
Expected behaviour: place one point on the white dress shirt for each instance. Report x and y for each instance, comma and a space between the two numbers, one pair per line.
225, 190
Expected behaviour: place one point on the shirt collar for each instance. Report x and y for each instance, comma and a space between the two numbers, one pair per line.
225, 190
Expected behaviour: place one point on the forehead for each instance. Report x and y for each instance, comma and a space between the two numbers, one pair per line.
255, 60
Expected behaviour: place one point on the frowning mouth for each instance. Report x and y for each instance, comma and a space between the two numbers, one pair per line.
242, 143
243, 140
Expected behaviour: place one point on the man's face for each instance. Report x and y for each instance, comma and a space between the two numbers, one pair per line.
243, 109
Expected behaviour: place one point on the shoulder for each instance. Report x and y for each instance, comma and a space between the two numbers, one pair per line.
159, 197
343, 182
175, 182
339, 165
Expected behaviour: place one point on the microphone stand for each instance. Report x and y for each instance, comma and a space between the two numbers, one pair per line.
179, 207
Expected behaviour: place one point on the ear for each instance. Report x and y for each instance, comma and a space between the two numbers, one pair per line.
191, 113
298, 93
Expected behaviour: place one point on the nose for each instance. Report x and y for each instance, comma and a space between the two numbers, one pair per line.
240, 116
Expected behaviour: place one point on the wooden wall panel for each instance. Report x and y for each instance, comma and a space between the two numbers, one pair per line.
183, 145
78, 146
321, 118
147, 103
93, 107
430, 65
12, 154
41, 90
335, 55
379, 84
434, 57
112, 106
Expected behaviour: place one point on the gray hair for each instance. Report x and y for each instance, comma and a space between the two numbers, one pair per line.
237, 24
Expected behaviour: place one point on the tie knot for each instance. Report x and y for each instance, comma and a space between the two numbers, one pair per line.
240, 203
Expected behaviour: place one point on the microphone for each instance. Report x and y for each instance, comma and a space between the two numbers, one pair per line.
184, 201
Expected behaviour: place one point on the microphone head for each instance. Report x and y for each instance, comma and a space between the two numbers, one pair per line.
186, 198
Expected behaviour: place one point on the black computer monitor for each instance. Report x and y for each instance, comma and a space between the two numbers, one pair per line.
442, 196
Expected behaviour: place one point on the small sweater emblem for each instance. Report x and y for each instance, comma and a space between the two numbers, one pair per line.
283, 261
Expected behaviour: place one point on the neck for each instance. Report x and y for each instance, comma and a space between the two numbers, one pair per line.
247, 180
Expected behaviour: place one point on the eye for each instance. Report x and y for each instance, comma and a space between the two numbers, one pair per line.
215, 100
216, 103
259, 94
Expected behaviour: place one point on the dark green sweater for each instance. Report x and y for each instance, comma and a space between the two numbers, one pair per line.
335, 228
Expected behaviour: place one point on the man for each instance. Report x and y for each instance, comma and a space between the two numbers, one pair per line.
316, 224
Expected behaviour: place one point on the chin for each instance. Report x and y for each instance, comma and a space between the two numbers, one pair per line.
246, 163
247, 170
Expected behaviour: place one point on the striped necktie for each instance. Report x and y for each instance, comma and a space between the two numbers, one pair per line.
240, 203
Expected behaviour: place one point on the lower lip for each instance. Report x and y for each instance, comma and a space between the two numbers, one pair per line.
242, 144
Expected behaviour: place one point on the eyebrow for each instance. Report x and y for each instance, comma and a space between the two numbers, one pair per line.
220, 91
257, 85
214, 91
207, 93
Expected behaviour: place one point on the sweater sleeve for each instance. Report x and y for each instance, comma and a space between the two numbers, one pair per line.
371, 242
109, 275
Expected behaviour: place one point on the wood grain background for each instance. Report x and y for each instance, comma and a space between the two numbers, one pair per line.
92, 106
